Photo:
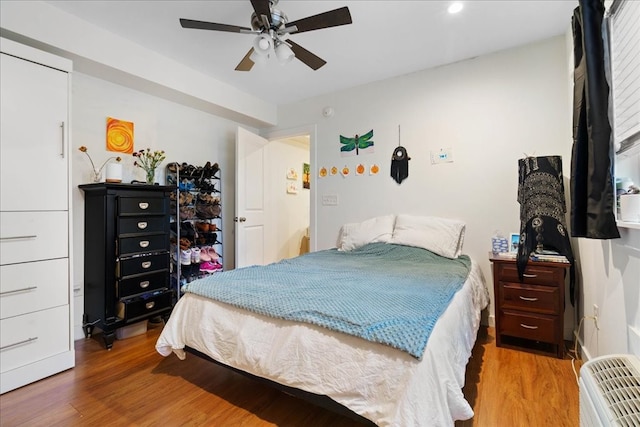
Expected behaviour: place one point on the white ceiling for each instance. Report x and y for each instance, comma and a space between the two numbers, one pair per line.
386, 39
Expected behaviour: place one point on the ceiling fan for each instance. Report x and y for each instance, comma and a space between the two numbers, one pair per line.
272, 29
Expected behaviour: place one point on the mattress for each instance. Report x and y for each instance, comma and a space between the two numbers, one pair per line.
378, 382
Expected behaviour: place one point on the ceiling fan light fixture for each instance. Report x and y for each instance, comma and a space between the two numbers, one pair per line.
263, 44
284, 53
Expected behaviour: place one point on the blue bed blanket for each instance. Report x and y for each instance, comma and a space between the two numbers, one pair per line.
385, 293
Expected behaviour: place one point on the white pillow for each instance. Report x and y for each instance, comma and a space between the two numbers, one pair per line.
439, 235
354, 235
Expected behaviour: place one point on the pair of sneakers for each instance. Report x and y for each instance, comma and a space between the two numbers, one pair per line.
208, 253
189, 256
210, 267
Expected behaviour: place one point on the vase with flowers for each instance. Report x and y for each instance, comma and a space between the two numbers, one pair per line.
96, 173
148, 161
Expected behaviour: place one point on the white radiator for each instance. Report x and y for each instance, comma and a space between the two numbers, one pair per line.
610, 391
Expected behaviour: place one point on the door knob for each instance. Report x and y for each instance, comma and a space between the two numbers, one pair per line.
241, 219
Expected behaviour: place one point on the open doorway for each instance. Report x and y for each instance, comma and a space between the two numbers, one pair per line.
309, 134
288, 195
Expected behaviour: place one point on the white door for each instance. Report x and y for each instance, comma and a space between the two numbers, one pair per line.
250, 199
33, 136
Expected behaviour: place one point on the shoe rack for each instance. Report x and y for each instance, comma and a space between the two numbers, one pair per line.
196, 223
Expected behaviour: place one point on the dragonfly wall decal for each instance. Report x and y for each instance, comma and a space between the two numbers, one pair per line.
357, 143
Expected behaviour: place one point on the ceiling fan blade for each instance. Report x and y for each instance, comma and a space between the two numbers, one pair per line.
261, 7
201, 25
332, 18
305, 56
246, 64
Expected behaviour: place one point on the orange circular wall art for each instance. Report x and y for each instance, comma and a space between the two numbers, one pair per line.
119, 136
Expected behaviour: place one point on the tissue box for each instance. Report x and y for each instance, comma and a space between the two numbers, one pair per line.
630, 207
499, 245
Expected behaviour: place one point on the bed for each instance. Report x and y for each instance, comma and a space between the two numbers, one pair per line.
415, 381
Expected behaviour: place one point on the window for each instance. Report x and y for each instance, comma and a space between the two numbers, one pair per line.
624, 45
624, 48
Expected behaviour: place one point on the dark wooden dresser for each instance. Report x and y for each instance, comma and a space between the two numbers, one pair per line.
126, 256
531, 312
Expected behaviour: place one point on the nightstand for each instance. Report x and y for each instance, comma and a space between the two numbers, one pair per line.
530, 314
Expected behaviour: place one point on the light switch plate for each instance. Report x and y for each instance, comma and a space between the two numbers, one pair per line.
444, 155
329, 200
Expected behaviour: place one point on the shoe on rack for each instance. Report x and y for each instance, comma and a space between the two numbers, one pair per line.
184, 243
195, 255
185, 257
173, 167
217, 266
212, 253
204, 254
207, 267
203, 226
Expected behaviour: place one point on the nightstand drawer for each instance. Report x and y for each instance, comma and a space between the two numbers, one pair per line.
142, 284
144, 306
533, 298
532, 327
143, 264
128, 206
153, 224
143, 244
535, 274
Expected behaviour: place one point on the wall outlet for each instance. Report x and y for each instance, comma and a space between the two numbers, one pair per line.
596, 313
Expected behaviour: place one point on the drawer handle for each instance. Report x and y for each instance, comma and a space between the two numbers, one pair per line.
528, 326
142, 225
531, 276
144, 284
528, 299
146, 264
143, 205
15, 344
19, 237
144, 243
30, 288
150, 305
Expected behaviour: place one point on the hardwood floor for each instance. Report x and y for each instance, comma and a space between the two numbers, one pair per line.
132, 385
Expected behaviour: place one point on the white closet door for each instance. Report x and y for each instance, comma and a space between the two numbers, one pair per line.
34, 117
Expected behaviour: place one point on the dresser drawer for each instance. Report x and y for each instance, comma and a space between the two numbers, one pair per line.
153, 224
143, 264
534, 274
142, 284
533, 298
33, 236
128, 206
144, 305
142, 244
32, 337
33, 286
532, 327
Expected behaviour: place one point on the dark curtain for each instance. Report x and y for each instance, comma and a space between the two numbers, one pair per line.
592, 194
542, 212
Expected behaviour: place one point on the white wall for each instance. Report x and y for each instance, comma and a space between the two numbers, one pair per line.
186, 135
490, 110
286, 229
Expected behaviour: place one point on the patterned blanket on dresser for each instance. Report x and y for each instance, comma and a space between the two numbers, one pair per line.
384, 293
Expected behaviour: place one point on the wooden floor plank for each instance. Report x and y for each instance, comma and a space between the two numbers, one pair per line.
132, 385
